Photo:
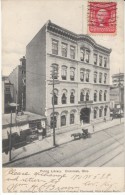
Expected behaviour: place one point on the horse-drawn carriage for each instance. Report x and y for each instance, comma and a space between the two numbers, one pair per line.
85, 134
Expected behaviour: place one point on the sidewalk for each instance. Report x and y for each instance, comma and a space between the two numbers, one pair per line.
47, 143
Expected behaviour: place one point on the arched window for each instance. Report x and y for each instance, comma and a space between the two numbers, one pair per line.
87, 96
105, 94
72, 74
63, 119
55, 71
105, 111
64, 97
72, 118
64, 73
100, 112
55, 97
95, 113
82, 95
72, 97
82, 75
100, 95
95, 96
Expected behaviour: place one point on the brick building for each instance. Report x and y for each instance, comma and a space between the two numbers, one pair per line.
7, 94
82, 66
18, 78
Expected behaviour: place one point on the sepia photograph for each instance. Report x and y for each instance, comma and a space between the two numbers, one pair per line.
62, 86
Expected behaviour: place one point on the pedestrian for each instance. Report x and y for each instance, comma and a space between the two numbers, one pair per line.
40, 131
104, 119
93, 128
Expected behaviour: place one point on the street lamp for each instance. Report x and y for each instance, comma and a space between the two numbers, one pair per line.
12, 105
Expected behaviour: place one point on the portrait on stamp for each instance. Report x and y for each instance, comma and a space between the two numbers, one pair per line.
102, 17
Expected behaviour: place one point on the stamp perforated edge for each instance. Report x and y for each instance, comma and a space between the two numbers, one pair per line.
101, 34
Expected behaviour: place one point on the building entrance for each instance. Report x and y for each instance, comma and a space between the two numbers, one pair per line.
85, 115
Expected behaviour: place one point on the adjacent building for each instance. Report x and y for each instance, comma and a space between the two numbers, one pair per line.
81, 89
7, 94
118, 78
117, 92
18, 78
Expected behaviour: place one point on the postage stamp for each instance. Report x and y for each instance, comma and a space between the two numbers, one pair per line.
102, 17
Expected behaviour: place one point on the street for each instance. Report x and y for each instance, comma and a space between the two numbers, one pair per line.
103, 149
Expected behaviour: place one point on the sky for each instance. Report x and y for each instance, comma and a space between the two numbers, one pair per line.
21, 20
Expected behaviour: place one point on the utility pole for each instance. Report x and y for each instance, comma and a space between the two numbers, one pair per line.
54, 72
22, 104
16, 103
54, 142
10, 141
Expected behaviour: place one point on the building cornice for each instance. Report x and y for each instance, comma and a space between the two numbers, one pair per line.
51, 27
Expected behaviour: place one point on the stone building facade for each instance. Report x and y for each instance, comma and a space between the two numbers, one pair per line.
81, 90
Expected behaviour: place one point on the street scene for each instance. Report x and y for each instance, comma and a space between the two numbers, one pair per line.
62, 96
104, 148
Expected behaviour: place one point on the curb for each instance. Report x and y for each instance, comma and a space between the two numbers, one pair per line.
55, 146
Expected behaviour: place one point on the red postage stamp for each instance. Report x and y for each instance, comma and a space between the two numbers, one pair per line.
102, 17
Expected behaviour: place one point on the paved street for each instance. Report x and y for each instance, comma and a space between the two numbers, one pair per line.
104, 148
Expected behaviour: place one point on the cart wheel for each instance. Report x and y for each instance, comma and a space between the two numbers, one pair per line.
6, 151
28, 140
89, 135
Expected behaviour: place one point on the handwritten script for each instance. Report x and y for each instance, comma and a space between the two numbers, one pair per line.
60, 180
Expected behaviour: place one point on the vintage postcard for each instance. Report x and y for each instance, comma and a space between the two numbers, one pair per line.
62, 96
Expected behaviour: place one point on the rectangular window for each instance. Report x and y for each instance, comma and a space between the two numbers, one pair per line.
64, 73
95, 77
72, 74
105, 78
64, 50
87, 77
82, 76
55, 71
105, 62
100, 60
72, 52
82, 55
95, 59
55, 47
100, 78
87, 56
7, 88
